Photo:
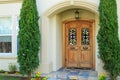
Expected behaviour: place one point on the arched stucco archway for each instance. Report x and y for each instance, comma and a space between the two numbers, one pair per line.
47, 63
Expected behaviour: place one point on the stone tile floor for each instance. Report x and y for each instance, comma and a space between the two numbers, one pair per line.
72, 74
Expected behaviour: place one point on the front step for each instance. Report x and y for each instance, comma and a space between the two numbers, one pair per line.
73, 74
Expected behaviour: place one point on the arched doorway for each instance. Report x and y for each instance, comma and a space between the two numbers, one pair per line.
52, 50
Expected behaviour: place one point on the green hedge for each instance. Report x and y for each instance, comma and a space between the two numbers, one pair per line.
29, 37
108, 40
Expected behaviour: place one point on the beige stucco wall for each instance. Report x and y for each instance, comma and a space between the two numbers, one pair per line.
59, 42
10, 9
70, 14
118, 8
55, 42
5, 62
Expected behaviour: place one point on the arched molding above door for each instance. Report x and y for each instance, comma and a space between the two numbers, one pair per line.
65, 5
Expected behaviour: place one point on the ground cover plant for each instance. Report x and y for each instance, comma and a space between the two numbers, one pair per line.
9, 78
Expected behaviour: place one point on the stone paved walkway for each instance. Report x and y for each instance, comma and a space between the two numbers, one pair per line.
72, 74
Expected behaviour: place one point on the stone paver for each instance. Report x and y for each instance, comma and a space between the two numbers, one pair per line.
73, 74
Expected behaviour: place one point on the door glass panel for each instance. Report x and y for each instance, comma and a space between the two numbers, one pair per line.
72, 36
85, 36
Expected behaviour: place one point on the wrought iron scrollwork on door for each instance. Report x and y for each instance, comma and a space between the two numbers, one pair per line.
85, 48
85, 36
72, 36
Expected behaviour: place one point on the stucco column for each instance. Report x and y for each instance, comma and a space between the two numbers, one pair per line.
44, 56
118, 9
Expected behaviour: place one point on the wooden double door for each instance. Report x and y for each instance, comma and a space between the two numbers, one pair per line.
78, 43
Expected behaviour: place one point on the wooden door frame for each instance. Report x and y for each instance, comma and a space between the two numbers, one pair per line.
63, 39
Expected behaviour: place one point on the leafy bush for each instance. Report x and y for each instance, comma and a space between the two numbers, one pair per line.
2, 71
12, 67
102, 77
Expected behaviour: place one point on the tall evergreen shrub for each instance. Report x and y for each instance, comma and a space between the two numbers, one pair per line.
108, 41
29, 38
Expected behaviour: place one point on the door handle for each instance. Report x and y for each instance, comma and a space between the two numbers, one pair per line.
85, 47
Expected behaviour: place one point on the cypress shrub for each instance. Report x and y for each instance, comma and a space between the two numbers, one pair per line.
108, 40
29, 38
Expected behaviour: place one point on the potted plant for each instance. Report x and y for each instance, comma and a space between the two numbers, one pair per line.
102, 77
37, 75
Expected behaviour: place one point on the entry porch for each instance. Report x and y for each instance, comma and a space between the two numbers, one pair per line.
72, 74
